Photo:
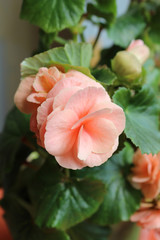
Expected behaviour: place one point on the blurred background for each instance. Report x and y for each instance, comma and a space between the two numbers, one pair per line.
18, 39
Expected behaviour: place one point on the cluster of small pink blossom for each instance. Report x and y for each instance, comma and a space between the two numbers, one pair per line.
146, 177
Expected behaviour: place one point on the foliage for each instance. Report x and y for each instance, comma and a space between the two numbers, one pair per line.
43, 200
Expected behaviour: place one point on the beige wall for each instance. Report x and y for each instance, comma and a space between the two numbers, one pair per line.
18, 39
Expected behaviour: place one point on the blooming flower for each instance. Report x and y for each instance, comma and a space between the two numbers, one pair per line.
146, 173
147, 218
146, 234
85, 132
76, 121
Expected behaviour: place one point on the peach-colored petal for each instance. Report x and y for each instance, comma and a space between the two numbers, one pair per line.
59, 138
116, 116
46, 79
42, 131
20, 98
73, 82
151, 190
157, 234
44, 110
84, 79
103, 134
62, 98
147, 218
146, 234
33, 122
84, 139
37, 98
98, 114
70, 160
96, 159
85, 102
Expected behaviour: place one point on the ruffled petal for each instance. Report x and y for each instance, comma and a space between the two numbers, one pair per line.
103, 134
84, 144
88, 100
20, 97
59, 138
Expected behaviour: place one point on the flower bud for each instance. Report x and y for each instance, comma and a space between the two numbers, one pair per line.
126, 66
139, 50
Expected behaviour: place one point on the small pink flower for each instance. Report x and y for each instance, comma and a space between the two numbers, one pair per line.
139, 49
146, 174
146, 234
148, 218
33, 90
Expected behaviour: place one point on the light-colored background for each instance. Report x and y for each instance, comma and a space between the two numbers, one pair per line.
18, 39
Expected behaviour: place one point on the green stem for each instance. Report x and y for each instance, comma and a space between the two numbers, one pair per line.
75, 37
98, 35
60, 40
82, 37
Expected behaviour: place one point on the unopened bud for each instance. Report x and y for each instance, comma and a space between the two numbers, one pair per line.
139, 50
126, 66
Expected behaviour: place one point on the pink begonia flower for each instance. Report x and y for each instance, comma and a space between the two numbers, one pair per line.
85, 131
146, 234
33, 90
76, 121
147, 218
139, 49
57, 97
146, 174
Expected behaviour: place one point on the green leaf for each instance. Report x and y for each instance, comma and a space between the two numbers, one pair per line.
89, 231
76, 54
141, 113
22, 226
106, 9
15, 129
52, 15
45, 40
154, 32
126, 28
121, 199
152, 75
105, 76
62, 203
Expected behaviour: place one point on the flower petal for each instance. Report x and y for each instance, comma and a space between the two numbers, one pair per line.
70, 160
62, 98
45, 79
37, 97
59, 138
44, 110
88, 100
23, 91
84, 144
116, 116
98, 114
103, 134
